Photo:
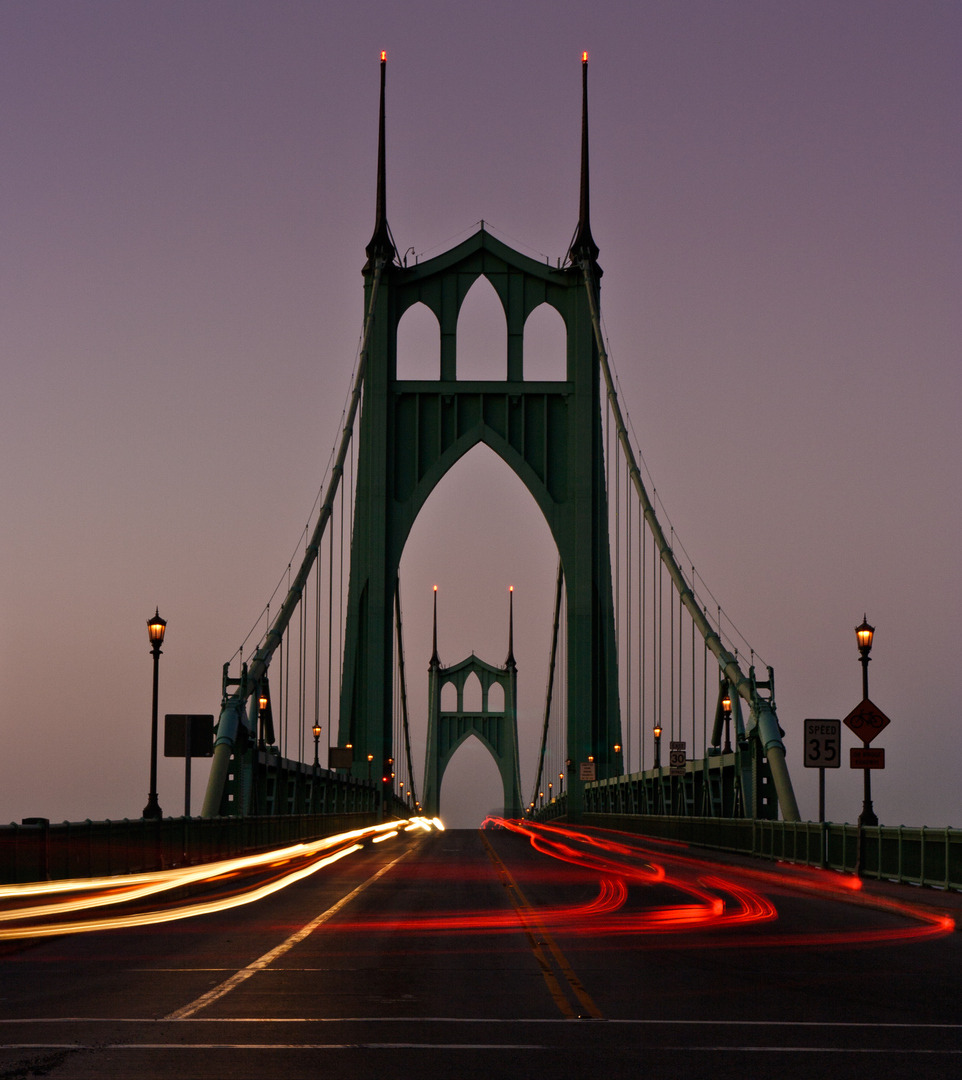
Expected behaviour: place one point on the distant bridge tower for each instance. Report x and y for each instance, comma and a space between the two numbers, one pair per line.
548, 433
496, 729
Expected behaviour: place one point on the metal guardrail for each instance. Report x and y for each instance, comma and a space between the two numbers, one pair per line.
917, 856
38, 850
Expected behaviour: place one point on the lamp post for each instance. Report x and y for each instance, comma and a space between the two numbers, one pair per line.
262, 703
864, 635
156, 627
657, 733
727, 711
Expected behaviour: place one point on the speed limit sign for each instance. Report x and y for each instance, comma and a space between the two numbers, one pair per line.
823, 744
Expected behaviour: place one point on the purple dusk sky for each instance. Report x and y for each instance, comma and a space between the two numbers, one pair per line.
186, 190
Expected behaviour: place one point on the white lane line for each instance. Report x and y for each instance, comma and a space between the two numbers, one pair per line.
269, 957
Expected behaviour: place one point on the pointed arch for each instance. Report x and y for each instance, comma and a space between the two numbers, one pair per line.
449, 698
471, 696
482, 335
471, 787
496, 698
545, 345
418, 344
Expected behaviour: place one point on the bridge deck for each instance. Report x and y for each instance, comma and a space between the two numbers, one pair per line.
473, 954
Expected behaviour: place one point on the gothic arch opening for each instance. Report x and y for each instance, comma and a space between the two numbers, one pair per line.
449, 698
545, 346
419, 344
482, 336
479, 532
471, 694
471, 787
496, 698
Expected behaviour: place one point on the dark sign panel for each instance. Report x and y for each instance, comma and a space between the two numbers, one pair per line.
867, 757
866, 720
188, 735
340, 757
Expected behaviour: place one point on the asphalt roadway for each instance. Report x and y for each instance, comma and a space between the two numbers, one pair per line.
498, 954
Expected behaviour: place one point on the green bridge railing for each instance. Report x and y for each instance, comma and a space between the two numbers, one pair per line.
916, 856
38, 850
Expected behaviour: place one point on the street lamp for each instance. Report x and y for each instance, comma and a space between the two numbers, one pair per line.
370, 758
657, 734
316, 731
864, 635
156, 627
262, 704
727, 711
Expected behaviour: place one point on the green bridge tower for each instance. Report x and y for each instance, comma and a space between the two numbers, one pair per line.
548, 433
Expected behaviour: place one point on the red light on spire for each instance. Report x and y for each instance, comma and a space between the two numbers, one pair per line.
384, 55
584, 57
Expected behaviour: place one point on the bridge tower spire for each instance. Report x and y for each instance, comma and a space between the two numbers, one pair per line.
583, 247
381, 245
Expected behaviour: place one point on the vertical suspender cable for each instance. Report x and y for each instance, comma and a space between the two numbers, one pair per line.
559, 589
233, 709
402, 685
768, 725
626, 759
642, 642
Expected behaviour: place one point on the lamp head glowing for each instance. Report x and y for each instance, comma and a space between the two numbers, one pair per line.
156, 628
384, 55
584, 57
864, 634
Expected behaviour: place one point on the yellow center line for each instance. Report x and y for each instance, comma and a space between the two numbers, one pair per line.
537, 936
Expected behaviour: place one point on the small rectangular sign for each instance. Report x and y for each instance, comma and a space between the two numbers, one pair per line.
587, 771
867, 757
823, 744
676, 761
340, 757
185, 732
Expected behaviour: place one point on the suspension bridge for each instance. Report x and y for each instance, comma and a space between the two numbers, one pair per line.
642, 683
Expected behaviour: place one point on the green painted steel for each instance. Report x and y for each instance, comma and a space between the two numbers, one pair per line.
548, 433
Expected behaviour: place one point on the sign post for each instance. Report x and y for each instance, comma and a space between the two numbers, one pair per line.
188, 735
866, 720
823, 751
